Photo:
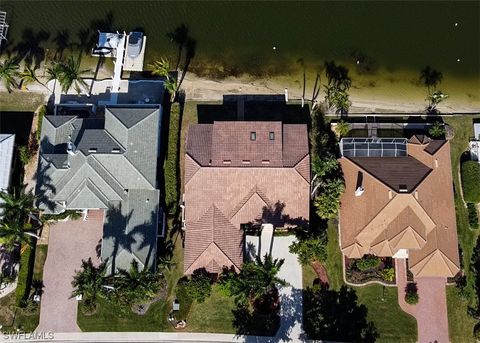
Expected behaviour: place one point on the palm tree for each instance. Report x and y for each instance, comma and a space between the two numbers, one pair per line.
14, 234
161, 68
342, 128
28, 76
89, 282
17, 207
338, 83
53, 72
171, 88
8, 73
136, 285
258, 279
71, 75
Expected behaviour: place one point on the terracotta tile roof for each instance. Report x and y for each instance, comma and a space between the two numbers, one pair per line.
382, 220
218, 199
247, 144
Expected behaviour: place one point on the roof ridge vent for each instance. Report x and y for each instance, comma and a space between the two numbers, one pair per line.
402, 188
359, 191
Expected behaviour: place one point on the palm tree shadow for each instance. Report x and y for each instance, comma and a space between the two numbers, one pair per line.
30, 47
179, 36
62, 40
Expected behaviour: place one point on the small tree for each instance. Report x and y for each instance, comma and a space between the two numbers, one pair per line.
472, 215
199, 285
437, 130
342, 128
388, 274
411, 293
310, 249
327, 202
471, 181
9, 72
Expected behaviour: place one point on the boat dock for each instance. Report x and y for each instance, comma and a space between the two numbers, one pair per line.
3, 26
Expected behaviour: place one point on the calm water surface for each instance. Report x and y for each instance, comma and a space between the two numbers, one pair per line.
241, 35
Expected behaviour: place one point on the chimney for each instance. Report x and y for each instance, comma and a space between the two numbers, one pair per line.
71, 150
360, 189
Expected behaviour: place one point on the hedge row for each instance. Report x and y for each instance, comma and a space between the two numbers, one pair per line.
471, 181
25, 275
171, 163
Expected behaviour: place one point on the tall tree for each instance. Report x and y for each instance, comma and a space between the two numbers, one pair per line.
9, 72
17, 206
15, 233
135, 284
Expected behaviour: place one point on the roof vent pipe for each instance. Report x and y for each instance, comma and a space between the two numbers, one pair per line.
71, 148
359, 191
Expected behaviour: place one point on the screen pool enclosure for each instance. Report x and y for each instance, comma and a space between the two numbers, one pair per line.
373, 147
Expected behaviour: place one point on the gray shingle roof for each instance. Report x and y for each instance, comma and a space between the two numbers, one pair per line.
112, 165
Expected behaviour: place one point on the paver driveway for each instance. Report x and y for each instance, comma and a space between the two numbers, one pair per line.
69, 243
431, 310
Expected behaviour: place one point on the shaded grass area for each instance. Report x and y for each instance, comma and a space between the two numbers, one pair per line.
110, 318
459, 323
392, 324
12, 317
213, 315
20, 101
171, 164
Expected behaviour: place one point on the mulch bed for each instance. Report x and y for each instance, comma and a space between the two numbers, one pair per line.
320, 271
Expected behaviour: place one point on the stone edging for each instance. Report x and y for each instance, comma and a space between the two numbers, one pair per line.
365, 283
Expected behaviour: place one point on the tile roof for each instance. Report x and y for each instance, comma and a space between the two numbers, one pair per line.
219, 198
106, 172
383, 220
247, 144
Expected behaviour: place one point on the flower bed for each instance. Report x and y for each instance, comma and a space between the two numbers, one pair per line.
359, 271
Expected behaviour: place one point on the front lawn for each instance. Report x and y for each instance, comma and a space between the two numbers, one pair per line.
213, 315
109, 318
392, 324
20, 101
459, 323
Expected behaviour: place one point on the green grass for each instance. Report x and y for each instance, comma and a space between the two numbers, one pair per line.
393, 325
308, 276
40, 257
459, 323
25, 274
109, 318
213, 315
20, 101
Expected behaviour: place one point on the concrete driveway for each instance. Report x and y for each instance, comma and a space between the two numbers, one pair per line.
291, 297
69, 243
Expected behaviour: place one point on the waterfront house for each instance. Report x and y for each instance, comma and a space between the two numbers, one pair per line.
240, 176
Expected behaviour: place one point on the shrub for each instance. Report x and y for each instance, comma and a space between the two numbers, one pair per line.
171, 162
25, 275
225, 282
327, 202
388, 274
437, 130
342, 128
309, 249
42, 111
367, 262
471, 181
73, 214
411, 294
473, 216
24, 154
199, 286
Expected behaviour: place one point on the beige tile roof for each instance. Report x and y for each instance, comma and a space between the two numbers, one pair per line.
218, 199
383, 220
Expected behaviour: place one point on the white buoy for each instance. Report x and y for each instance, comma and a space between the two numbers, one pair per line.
286, 94
358, 61
456, 24
274, 48
458, 60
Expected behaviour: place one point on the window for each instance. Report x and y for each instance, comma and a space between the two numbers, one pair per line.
246, 161
253, 136
271, 135
227, 161
265, 161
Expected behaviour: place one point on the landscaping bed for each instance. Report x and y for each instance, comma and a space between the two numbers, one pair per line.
380, 269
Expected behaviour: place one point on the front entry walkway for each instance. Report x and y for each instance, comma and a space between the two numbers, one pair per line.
69, 243
431, 310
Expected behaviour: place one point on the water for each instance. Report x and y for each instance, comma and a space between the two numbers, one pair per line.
236, 37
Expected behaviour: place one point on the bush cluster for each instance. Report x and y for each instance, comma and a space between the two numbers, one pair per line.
411, 293
199, 285
25, 275
471, 181
367, 262
171, 162
472, 216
